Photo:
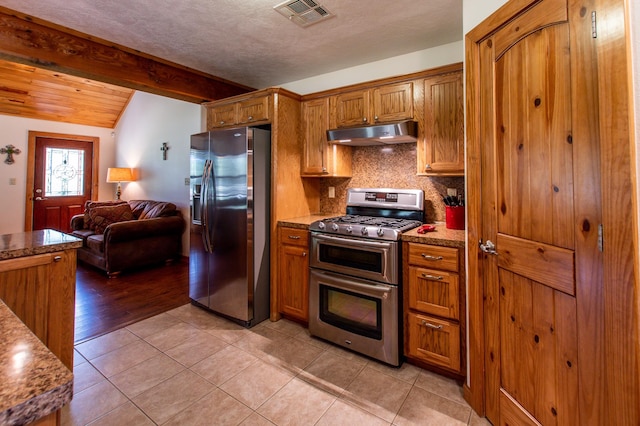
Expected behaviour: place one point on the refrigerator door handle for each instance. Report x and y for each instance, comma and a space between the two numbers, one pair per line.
211, 179
204, 207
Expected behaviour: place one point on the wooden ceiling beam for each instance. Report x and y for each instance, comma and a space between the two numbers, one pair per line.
32, 41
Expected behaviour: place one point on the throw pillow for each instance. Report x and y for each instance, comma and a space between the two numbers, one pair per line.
101, 217
88, 224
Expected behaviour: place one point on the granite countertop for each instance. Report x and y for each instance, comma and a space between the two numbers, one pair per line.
440, 237
303, 222
35, 242
35, 383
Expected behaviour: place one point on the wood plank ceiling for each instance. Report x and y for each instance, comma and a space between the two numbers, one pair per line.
31, 92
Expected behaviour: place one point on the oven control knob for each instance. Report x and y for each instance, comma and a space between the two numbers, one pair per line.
321, 225
380, 232
349, 229
335, 227
364, 230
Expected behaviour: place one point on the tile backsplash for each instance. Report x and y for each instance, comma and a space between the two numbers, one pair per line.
392, 166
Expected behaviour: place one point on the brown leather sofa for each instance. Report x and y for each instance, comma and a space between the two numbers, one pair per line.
124, 235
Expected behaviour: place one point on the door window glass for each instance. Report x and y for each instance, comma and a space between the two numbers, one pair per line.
64, 172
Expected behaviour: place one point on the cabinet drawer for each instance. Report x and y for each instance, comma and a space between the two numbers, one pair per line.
435, 341
434, 292
433, 257
294, 236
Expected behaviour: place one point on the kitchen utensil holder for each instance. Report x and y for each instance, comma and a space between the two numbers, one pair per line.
455, 217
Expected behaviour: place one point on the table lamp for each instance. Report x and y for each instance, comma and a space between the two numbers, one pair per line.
119, 174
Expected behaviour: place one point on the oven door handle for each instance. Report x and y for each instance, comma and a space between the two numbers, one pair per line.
351, 242
374, 289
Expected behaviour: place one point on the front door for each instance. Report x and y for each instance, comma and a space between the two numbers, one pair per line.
537, 169
62, 180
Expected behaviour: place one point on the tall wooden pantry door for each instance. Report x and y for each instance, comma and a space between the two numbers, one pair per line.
540, 206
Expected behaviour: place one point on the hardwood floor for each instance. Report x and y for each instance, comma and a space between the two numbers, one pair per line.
106, 304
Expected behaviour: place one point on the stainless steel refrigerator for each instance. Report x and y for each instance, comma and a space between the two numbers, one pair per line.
230, 204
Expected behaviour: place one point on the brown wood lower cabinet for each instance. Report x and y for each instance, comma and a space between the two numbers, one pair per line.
40, 290
293, 273
433, 303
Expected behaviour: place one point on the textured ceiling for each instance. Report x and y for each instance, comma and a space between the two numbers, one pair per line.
248, 42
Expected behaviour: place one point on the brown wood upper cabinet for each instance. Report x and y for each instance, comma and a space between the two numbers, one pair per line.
441, 151
320, 158
392, 102
243, 111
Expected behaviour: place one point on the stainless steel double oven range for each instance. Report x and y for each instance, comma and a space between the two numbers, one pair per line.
355, 271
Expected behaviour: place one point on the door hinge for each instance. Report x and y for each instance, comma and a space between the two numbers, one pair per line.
601, 238
594, 25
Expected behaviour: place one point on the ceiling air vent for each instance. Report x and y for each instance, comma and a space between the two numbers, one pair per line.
303, 12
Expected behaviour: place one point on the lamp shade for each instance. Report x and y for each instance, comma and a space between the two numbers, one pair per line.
119, 174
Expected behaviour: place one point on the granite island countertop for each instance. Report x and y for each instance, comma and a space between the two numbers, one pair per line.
440, 237
35, 242
35, 383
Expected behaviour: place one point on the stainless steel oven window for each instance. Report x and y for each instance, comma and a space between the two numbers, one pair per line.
373, 260
353, 312
351, 257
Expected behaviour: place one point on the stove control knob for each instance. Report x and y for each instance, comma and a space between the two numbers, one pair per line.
349, 229
321, 225
364, 230
380, 232
335, 227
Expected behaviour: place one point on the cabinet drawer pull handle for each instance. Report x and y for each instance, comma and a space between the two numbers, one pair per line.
57, 258
294, 237
304, 254
432, 277
222, 123
250, 117
429, 257
428, 324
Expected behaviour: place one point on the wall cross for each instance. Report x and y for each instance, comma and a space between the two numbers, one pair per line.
164, 150
9, 150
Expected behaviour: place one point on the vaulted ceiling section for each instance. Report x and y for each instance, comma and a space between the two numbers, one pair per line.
53, 73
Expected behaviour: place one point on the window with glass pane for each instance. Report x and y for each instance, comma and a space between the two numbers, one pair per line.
64, 175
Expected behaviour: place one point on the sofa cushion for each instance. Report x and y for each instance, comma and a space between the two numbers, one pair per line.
95, 242
101, 217
82, 233
91, 204
148, 209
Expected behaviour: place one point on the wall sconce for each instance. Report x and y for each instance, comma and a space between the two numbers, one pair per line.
119, 174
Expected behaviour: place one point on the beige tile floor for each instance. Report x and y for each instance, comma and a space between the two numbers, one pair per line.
189, 367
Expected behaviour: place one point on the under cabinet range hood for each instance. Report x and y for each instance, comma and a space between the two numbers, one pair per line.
378, 134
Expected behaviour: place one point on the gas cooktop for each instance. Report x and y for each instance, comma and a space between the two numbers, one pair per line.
377, 213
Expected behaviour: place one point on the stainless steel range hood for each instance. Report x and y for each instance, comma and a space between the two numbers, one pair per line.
379, 134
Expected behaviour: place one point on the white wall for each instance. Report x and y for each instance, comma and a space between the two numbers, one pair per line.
398, 65
15, 131
148, 121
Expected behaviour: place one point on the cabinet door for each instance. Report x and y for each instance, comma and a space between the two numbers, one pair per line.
435, 341
434, 292
40, 290
315, 116
221, 116
293, 273
393, 102
442, 150
253, 110
321, 158
352, 108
